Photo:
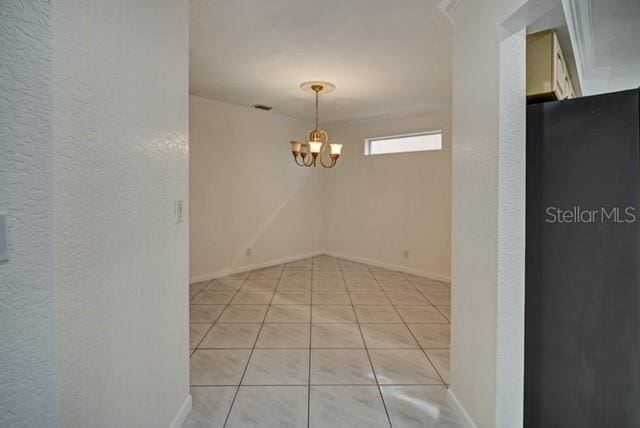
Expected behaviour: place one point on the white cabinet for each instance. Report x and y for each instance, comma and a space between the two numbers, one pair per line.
547, 74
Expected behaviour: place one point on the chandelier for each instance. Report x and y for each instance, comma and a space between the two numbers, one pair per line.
316, 142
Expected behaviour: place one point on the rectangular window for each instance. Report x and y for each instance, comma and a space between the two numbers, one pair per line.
419, 142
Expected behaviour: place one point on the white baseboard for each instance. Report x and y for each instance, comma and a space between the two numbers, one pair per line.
182, 413
391, 266
262, 265
460, 412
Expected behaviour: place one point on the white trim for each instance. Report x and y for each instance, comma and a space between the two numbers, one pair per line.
182, 413
460, 412
391, 266
245, 268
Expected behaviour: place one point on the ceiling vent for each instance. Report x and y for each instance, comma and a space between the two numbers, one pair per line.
262, 107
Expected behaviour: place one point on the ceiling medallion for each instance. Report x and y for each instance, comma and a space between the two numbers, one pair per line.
316, 142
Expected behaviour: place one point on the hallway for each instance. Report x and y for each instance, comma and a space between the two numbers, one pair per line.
320, 342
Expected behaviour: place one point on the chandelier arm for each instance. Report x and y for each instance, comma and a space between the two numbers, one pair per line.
325, 143
309, 156
297, 161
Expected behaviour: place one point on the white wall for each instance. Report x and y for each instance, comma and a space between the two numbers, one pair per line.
246, 191
94, 143
488, 213
120, 162
27, 290
379, 206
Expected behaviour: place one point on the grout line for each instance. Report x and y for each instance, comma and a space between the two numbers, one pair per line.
311, 291
414, 336
252, 349
373, 370
199, 291
219, 315
310, 324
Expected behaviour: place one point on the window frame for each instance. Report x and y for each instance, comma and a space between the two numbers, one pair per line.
368, 141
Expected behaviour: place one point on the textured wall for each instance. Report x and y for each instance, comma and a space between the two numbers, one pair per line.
487, 208
270, 205
379, 206
27, 293
121, 160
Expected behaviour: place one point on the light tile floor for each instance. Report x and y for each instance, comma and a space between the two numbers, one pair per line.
320, 342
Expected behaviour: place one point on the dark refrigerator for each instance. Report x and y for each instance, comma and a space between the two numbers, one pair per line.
582, 298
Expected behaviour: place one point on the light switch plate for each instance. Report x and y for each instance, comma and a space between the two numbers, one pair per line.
4, 238
178, 210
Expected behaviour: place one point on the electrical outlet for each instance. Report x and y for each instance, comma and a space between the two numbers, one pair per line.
249, 251
405, 254
178, 211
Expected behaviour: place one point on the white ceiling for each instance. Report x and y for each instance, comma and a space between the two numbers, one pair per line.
606, 39
386, 57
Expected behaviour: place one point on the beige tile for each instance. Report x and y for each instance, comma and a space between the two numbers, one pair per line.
284, 336
387, 336
439, 298
397, 285
326, 274
225, 284
294, 285
328, 285
196, 333
210, 405
204, 313
440, 359
431, 335
358, 275
231, 336
336, 336
330, 298
376, 314
407, 298
213, 298
430, 286
387, 275
269, 273
292, 298
193, 293
346, 407
239, 275
196, 287
269, 407
243, 314
369, 298
332, 314
218, 366
373, 268
403, 366
296, 274
289, 314
278, 367
326, 263
341, 366
419, 406
363, 285
446, 311
421, 314
299, 265
252, 298
260, 285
